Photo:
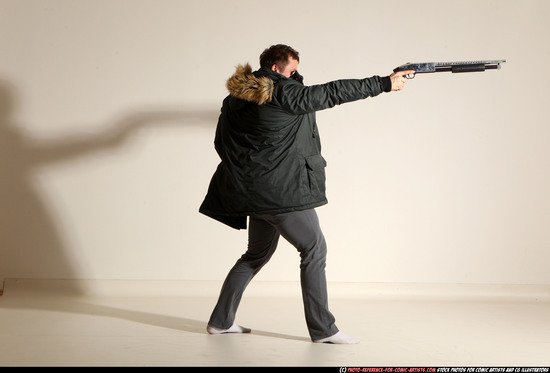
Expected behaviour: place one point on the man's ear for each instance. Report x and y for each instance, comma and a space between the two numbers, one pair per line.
275, 68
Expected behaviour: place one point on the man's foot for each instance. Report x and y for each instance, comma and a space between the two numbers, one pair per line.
339, 338
233, 329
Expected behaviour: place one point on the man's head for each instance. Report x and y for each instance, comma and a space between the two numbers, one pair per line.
281, 59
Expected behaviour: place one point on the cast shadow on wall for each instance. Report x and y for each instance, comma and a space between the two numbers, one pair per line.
30, 242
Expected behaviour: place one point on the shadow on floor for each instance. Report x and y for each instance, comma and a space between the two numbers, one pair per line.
78, 306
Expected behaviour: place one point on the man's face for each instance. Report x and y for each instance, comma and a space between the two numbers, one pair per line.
290, 68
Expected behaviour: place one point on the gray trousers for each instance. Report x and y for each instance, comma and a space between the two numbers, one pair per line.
302, 230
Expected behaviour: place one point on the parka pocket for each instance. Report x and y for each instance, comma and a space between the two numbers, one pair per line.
315, 166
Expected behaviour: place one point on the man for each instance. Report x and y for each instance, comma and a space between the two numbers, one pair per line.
272, 172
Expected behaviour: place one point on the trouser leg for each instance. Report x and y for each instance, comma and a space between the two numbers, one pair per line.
262, 242
303, 231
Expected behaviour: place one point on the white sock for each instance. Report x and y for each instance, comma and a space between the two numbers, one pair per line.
339, 338
233, 329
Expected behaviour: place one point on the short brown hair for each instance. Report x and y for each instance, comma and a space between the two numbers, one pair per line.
278, 55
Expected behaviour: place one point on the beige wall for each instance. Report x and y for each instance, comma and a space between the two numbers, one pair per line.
108, 111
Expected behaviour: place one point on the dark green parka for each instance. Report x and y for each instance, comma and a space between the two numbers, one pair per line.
269, 145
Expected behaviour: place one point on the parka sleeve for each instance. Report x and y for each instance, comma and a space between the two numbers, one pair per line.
298, 99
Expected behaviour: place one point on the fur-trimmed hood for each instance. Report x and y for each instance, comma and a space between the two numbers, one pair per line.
245, 85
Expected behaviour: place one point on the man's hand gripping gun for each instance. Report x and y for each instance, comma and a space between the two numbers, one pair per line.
455, 67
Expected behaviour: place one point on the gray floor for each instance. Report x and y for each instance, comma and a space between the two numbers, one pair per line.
41, 327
